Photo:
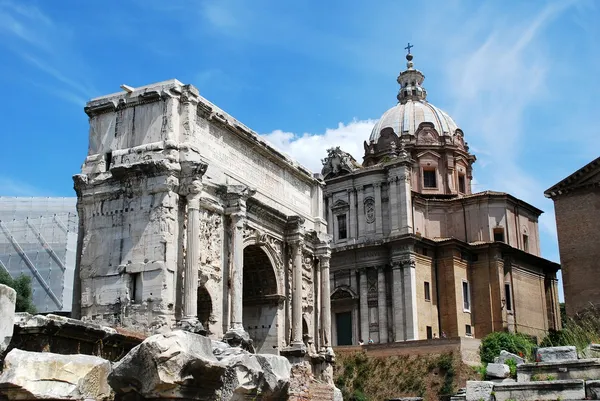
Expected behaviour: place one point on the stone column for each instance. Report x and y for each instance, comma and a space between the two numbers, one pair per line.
192, 257
360, 212
393, 193
398, 301
297, 342
378, 211
325, 303
382, 305
237, 275
364, 306
410, 300
352, 214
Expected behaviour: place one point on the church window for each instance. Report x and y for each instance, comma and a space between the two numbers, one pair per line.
414, 92
342, 232
508, 296
429, 179
427, 292
499, 234
468, 330
525, 242
461, 184
429, 332
466, 296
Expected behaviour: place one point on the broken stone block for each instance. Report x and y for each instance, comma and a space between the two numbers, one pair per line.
553, 354
591, 351
8, 298
542, 390
479, 390
592, 389
178, 364
505, 356
44, 375
497, 371
183, 365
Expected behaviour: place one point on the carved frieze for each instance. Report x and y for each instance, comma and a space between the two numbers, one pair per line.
211, 239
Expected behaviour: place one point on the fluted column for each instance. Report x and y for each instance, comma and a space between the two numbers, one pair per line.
382, 305
237, 275
378, 211
297, 342
325, 302
398, 301
364, 307
190, 287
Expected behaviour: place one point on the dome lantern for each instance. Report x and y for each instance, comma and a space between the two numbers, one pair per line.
411, 81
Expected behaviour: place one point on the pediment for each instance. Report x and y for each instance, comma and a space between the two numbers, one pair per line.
429, 152
343, 292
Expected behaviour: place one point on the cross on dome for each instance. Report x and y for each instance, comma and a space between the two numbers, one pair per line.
408, 47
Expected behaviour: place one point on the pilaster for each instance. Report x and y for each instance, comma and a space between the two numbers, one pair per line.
382, 305
378, 211
364, 307
394, 212
360, 212
410, 300
398, 301
352, 214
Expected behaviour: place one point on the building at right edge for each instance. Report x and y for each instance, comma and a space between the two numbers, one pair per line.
577, 206
416, 254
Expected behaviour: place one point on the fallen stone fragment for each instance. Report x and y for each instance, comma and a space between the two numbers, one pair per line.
497, 371
479, 390
44, 375
505, 356
553, 354
8, 298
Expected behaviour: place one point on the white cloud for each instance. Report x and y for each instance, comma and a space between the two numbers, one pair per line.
12, 187
309, 149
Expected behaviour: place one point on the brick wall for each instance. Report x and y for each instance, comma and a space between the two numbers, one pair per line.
578, 224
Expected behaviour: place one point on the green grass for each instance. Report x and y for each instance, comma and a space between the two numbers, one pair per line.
580, 331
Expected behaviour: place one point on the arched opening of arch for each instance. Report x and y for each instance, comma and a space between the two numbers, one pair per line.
204, 307
260, 300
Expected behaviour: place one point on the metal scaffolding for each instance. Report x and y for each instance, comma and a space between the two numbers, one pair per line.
38, 238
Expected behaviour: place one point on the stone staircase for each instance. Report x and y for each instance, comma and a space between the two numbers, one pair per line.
558, 375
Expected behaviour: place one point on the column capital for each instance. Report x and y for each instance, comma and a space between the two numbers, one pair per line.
297, 246
392, 179
360, 189
351, 190
377, 185
189, 95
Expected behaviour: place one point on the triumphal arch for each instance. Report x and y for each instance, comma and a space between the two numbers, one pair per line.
188, 218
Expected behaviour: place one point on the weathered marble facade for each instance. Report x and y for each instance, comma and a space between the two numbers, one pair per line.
189, 218
416, 254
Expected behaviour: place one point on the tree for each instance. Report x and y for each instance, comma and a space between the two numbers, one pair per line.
22, 285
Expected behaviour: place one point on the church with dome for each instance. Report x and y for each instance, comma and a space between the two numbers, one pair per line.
416, 254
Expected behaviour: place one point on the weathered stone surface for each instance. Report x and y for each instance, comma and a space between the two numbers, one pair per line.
591, 351
548, 390
561, 370
551, 354
62, 335
497, 371
44, 375
8, 298
592, 389
183, 365
505, 356
479, 390
337, 394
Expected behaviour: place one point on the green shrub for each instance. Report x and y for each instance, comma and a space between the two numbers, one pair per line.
517, 343
512, 365
481, 370
580, 331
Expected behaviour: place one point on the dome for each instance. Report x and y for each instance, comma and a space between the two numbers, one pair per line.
405, 118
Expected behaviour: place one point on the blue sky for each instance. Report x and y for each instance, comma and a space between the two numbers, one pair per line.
520, 78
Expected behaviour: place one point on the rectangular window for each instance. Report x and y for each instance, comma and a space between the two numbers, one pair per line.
499, 234
427, 292
507, 296
461, 184
525, 242
466, 296
429, 180
468, 330
429, 333
341, 220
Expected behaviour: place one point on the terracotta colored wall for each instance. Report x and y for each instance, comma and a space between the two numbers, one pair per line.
578, 224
